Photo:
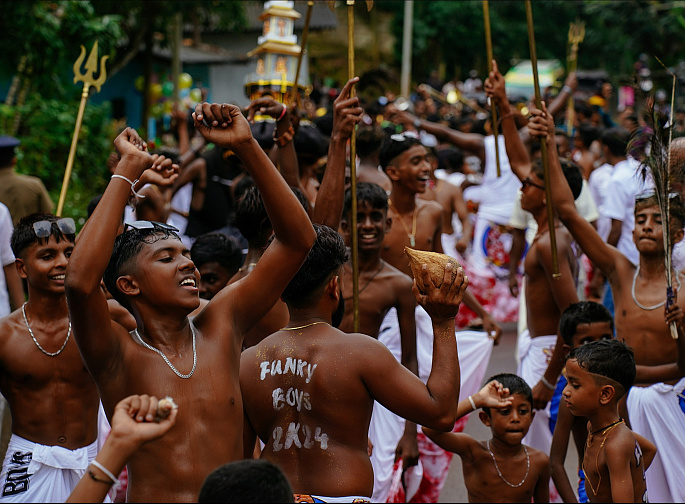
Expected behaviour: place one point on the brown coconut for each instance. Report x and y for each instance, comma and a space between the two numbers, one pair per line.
436, 266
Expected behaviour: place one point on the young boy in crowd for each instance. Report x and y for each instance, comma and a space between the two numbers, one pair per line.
501, 469
599, 374
217, 257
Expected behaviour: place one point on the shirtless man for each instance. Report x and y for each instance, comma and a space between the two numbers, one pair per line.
195, 361
52, 398
540, 350
418, 224
369, 140
309, 389
639, 293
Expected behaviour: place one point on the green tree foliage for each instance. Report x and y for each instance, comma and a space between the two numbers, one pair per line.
616, 33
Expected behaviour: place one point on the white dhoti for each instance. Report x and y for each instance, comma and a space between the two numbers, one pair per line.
36, 473
658, 413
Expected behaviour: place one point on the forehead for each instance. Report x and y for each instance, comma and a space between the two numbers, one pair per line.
162, 243
593, 330
366, 206
212, 267
50, 243
416, 150
573, 370
647, 209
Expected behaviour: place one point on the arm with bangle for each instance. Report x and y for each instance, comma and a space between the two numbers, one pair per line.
133, 425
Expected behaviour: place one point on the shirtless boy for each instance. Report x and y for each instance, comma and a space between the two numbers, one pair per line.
381, 288
195, 361
501, 469
52, 398
309, 389
582, 323
639, 293
540, 349
599, 374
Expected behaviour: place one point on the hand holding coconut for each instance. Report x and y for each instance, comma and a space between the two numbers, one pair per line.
439, 283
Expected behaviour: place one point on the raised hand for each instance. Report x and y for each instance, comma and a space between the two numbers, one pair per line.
346, 111
267, 106
129, 144
492, 395
163, 172
442, 302
540, 124
494, 85
133, 422
222, 124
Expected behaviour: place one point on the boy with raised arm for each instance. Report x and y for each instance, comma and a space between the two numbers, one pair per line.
540, 349
52, 398
308, 389
501, 469
193, 360
639, 294
599, 374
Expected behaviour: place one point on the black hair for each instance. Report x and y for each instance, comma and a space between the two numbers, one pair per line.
241, 187
584, 312
368, 192
246, 481
7, 154
24, 236
219, 248
325, 257
251, 218
369, 139
451, 160
263, 132
301, 197
92, 204
588, 134
616, 140
390, 148
126, 247
571, 170
515, 384
612, 359
310, 143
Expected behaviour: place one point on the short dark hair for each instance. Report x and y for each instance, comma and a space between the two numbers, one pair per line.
251, 218
369, 139
367, 192
24, 236
451, 158
572, 172
219, 248
390, 148
515, 384
588, 134
126, 247
616, 139
584, 312
246, 481
612, 359
325, 257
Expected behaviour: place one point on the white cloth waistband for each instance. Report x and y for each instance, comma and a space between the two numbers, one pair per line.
54, 456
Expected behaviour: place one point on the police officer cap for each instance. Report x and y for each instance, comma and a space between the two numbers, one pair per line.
8, 141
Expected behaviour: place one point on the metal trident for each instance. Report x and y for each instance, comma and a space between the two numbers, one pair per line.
576, 34
88, 80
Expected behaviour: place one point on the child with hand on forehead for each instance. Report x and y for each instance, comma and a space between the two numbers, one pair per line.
599, 374
501, 469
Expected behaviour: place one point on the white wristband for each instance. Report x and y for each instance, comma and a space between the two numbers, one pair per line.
108, 473
137, 195
473, 404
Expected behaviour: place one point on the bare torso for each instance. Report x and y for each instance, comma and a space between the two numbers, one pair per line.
53, 400
370, 173
208, 430
543, 312
308, 403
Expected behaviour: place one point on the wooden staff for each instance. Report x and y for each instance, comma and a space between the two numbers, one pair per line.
493, 108
543, 144
88, 80
576, 34
353, 171
305, 33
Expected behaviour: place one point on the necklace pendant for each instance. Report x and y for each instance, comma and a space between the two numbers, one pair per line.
412, 241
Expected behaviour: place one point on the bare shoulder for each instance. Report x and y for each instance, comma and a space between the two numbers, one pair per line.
398, 278
621, 444
9, 326
430, 207
538, 459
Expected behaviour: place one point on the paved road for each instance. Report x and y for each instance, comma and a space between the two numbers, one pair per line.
502, 361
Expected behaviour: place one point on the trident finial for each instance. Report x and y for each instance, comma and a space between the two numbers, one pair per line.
576, 32
91, 68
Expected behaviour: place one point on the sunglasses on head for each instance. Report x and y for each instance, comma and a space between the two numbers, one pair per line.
527, 182
43, 228
143, 224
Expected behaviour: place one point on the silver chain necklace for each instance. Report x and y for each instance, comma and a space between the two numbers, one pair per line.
500, 473
184, 376
49, 354
632, 291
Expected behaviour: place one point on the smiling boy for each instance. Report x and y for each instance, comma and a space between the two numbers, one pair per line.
52, 397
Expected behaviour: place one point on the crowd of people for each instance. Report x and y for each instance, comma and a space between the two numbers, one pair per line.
210, 297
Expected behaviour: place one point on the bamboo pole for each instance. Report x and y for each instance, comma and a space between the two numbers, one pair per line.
493, 108
353, 171
543, 143
305, 34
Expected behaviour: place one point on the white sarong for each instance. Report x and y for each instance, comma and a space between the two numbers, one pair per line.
37, 473
656, 412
